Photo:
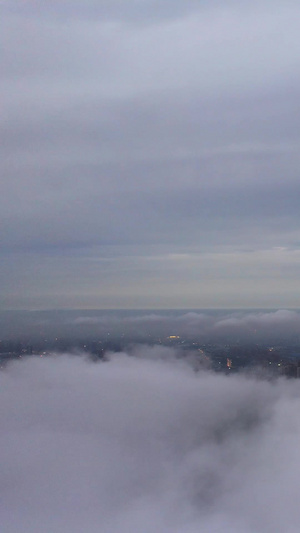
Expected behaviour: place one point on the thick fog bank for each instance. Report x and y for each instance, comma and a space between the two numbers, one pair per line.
144, 444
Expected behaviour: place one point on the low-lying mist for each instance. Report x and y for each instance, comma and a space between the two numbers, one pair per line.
144, 444
214, 326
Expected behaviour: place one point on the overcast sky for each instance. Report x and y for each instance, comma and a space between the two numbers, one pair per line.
150, 154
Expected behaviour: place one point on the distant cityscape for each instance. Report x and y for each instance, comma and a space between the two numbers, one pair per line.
282, 359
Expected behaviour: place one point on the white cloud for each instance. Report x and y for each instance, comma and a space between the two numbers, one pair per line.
145, 444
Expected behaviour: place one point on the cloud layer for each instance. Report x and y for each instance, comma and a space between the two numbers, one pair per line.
145, 444
147, 326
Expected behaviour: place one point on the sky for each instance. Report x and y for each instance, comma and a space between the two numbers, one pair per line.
150, 154
145, 443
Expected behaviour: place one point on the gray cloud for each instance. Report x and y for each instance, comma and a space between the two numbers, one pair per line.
145, 444
148, 11
181, 132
